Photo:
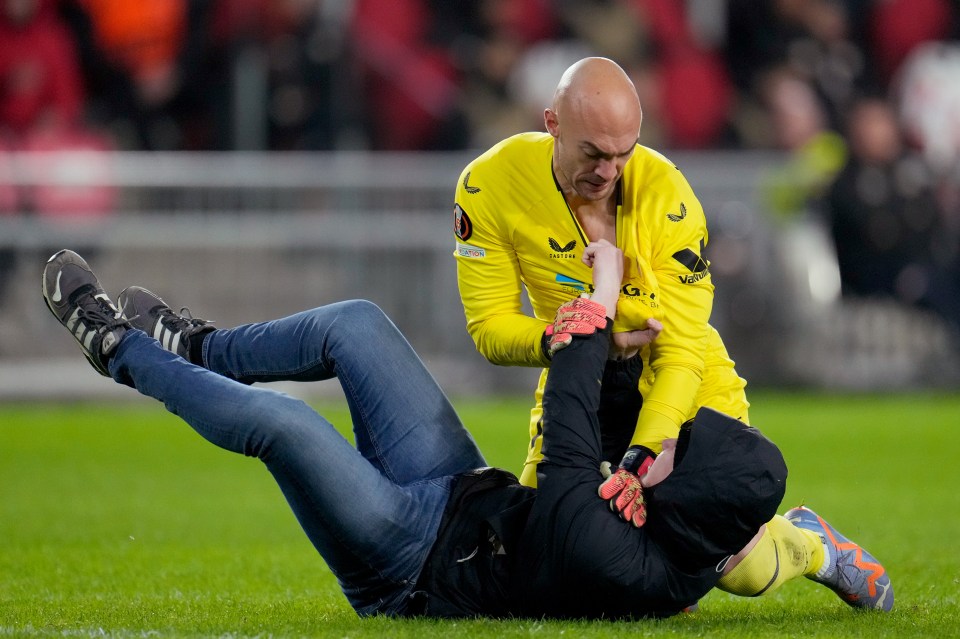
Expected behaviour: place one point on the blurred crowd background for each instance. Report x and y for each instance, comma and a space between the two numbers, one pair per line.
454, 74
862, 97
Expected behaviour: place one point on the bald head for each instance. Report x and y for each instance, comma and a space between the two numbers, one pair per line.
595, 121
599, 92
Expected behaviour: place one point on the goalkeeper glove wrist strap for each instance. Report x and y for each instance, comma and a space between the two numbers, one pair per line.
638, 460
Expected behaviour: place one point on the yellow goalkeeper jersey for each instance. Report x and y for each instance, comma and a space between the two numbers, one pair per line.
514, 230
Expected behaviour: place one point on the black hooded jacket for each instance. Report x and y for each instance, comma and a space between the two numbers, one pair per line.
559, 551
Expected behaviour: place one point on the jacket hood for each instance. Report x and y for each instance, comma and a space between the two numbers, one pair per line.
728, 480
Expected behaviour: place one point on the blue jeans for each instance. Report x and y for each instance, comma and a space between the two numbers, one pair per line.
372, 511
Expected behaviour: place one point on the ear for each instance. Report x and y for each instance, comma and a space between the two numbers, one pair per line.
551, 122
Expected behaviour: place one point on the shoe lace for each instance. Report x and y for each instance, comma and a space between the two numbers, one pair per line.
182, 321
100, 315
849, 581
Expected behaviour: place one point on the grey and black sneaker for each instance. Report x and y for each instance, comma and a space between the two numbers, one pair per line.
152, 315
74, 295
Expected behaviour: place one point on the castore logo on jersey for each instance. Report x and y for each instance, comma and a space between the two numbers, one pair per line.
562, 252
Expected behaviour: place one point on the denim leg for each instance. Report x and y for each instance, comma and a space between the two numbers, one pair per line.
403, 423
373, 533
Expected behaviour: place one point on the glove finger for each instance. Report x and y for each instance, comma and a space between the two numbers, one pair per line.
611, 487
626, 509
575, 327
606, 469
625, 500
580, 318
637, 507
629, 504
559, 341
640, 516
588, 306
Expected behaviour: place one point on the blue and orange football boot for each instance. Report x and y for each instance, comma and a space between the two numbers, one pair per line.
848, 570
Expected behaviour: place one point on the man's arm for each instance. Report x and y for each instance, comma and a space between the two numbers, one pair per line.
488, 278
620, 402
572, 394
685, 299
490, 290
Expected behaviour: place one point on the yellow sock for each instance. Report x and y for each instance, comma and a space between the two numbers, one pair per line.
784, 552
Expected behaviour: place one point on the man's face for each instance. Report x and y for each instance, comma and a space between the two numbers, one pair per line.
590, 157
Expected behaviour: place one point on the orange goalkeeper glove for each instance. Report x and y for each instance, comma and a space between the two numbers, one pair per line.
580, 316
623, 489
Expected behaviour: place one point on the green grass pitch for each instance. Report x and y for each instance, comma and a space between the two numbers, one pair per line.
119, 521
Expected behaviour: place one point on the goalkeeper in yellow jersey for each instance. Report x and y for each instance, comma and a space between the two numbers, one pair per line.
526, 209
